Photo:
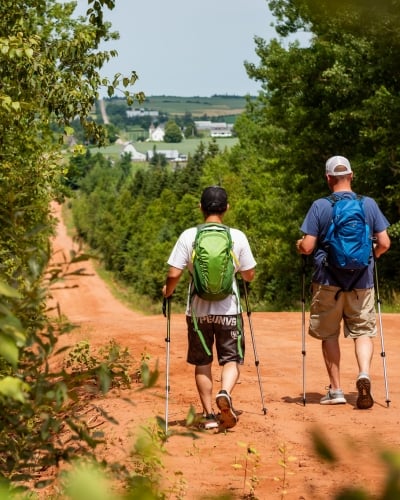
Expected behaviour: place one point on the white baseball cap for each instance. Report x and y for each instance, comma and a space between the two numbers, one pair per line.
338, 165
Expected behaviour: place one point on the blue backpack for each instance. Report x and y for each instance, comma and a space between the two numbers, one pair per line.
348, 241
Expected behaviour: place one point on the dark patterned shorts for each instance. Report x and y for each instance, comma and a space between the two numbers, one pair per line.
226, 331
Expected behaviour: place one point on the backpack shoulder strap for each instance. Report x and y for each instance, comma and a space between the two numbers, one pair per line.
218, 226
360, 198
333, 198
213, 224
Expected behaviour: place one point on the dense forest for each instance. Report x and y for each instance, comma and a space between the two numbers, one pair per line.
339, 95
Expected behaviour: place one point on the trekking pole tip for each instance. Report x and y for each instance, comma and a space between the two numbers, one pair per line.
265, 411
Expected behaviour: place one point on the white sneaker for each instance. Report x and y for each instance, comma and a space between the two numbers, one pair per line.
209, 422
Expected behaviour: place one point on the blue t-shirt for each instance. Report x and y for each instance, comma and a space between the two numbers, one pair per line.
317, 222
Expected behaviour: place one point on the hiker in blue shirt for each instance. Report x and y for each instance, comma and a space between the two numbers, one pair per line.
219, 321
342, 294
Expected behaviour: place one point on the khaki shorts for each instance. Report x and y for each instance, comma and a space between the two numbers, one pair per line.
328, 308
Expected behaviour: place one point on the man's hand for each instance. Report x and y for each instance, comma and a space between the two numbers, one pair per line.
172, 280
298, 245
306, 244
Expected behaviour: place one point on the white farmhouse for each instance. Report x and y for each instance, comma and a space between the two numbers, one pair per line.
216, 129
139, 113
170, 154
156, 134
129, 148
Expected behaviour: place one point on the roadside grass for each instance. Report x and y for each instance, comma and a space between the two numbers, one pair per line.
126, 295
120, 290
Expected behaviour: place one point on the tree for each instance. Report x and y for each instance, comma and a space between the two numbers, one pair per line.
112, 132
50, 66
172, 132
190, 130
338, 94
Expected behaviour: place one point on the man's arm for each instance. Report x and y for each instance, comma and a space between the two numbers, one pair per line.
306, 244
173, 277
381, 243
249, 274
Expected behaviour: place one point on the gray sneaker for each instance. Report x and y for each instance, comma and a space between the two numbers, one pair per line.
333, 397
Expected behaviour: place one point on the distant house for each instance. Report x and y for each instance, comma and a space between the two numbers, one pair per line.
156, 134
221, 132
181, 158
135, 113
216, 129
203, 125
170, 154
135, 155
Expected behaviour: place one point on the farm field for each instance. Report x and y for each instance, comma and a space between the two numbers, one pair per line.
188, 146
226, 108
197, 106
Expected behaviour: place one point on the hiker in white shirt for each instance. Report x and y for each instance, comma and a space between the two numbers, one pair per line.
220, 321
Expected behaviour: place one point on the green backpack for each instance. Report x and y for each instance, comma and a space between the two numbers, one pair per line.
213, 270
213, 262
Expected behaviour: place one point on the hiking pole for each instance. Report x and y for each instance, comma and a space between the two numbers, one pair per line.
383, 354
167, 314
303, 325
257, 362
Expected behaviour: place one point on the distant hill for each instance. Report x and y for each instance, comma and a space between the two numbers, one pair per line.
216, 105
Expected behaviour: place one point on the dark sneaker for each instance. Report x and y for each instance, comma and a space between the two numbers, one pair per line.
209, 422
228, 417
333, 397
364, 400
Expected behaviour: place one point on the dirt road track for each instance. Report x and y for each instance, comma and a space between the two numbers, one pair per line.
288, 466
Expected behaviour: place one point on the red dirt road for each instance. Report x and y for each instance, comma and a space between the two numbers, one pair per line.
283, 463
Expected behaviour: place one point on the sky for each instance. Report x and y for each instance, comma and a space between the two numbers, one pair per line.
186, 47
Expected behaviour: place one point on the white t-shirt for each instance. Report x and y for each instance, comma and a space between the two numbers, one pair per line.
181, 256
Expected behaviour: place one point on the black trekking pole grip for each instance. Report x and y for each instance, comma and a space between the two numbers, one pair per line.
166, 308
304, 262
246, 298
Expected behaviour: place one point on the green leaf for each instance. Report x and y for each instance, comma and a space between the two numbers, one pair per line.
322, 446
8, 349
14, 388
9, 291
